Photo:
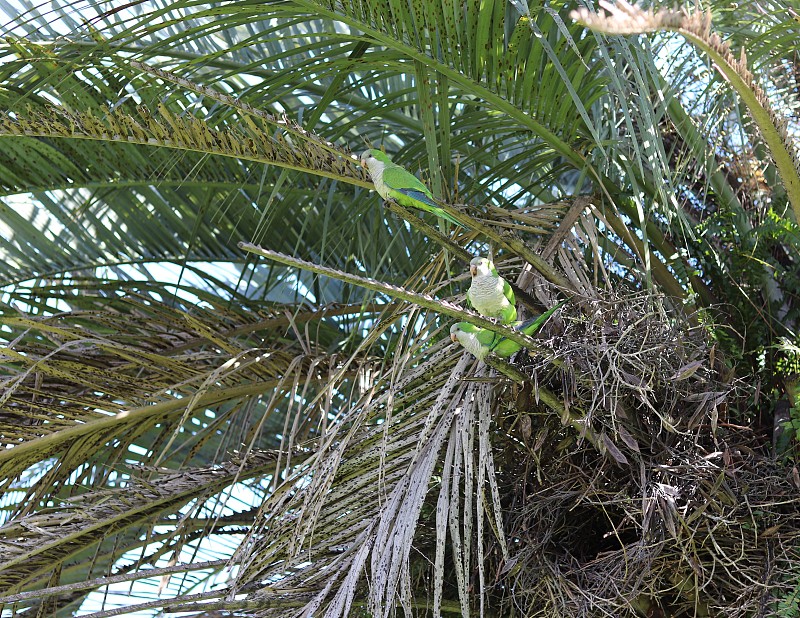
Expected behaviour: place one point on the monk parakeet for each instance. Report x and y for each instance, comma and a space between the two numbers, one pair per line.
480, 341
489, 293
393, 182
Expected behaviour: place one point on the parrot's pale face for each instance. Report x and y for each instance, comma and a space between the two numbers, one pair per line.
375, 161
367, 159
465, 335
480, 267
374, 158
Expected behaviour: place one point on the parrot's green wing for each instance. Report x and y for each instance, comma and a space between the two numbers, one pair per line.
509, 293
509, 313
532, 326
505, 347
487, 337
409, 191
402, 180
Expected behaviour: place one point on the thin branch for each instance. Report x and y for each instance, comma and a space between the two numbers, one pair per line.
422, 300
111, 579
124, 611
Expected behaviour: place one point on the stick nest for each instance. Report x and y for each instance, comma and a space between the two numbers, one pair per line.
685, 513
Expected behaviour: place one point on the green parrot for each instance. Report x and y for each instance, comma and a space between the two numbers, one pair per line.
480, 341
393, 182
489, 293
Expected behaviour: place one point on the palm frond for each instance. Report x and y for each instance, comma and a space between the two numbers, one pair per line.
625, 18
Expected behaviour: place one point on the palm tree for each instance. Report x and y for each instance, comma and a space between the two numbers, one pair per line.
226, 375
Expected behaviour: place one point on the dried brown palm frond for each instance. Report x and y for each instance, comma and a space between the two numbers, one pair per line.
32, 544
101, 400
456, 476
335, 531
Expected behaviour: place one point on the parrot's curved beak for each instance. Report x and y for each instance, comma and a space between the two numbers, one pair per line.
453, 338
473, 270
